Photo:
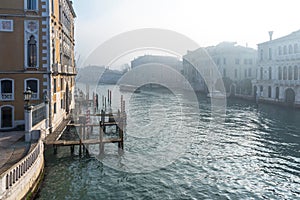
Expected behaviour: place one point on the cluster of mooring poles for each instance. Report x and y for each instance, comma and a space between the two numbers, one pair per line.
109, 124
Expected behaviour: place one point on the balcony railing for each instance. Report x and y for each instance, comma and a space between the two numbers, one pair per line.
6, 96
65, 69
34, 96
288, 57
56, 68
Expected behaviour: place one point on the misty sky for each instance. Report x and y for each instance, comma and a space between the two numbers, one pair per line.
207, 22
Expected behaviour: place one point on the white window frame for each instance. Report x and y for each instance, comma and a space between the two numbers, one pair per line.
36, 5
13, 91
3, 28
38, 88
12, 116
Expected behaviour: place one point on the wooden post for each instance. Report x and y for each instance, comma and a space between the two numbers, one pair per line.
101, 145
72, 149
110, 98
55, 149
81, 127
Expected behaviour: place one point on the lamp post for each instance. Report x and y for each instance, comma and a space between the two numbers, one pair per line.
27, 114
27, 96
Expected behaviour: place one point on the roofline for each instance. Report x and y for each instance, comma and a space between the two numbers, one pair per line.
70, 3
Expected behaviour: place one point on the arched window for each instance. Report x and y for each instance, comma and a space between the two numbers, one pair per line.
277, 92
296, 48
32, 52
269, 91
261, 73
270, 73
6, 116
284, 50
280, 73
290, 49
290, 73
295, 72
284, 73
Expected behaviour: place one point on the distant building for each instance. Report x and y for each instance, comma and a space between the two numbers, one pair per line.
236, 65
278, 70
158, 73
167, 60
37, 51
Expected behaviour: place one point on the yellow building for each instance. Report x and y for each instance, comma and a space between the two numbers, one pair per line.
36, 51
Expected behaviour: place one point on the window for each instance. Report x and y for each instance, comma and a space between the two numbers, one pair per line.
277, 93
52, 6
32, 4
270, 73
250, 61
290, 73
280, 50
33, 84
32, 52
269, 91
54, 85
237, 61
296, 48
280, 73
249, 72
62, 103
284, 73
284, 50
261, 88
295, 73
235, 73
261, 54
261, 73
54, 108
290, 49
7, 89
61, 84
270, 54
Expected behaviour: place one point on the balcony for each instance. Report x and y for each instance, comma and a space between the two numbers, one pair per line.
6, 96
288, 57
56, 68
287, 82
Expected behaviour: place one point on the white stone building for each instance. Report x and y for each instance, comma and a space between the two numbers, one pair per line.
278, 70
235, 63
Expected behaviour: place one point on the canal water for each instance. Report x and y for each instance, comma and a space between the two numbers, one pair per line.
176, 150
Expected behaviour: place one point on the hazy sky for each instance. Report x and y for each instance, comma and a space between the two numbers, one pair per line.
207, 22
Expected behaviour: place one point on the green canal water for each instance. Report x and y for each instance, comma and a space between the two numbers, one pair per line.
176, 151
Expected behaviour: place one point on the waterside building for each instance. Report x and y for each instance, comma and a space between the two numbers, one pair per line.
37, 51
278, 77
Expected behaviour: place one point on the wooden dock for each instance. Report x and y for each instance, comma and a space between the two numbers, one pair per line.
85, 129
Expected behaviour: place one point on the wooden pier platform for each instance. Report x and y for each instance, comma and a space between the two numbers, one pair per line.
56, 134
85, 129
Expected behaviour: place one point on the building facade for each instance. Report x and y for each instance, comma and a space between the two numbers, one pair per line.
278, 78
37, 51
236, 64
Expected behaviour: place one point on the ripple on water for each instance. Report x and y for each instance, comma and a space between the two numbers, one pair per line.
253, 154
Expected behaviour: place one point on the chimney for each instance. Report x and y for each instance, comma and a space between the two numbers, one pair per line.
270, 34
